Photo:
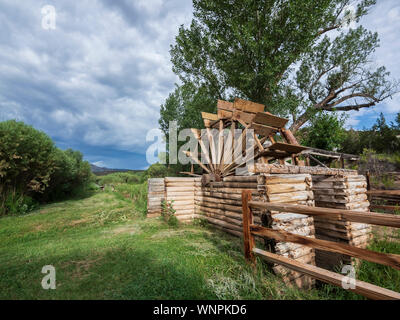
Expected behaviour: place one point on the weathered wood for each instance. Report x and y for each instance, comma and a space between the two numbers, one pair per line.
286, 188
225, 105
284, 169
262, 130
366, 289
270, 120
241, 179
243, 116
209, 116
247, 222
332, 214
290, 148
288, 135
224, 114
386, 208
248, 106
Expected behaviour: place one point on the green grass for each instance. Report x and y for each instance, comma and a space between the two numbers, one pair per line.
103, 248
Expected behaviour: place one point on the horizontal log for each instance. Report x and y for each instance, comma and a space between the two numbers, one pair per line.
366, 289
180, 212
235, 202
222, 223
286, 188
275, 168
178, 179
180, 189
241, 179
384, 192
340, 192
332, 214
228, 190
291, 196
387, 208
345, 206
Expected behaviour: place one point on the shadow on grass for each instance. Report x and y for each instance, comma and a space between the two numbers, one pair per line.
115, 274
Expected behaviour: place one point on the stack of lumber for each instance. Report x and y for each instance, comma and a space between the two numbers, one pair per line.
296, 189
220, 203
340, 192
155, 196
180, 192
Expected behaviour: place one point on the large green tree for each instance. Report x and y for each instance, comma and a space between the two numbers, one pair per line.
297, 57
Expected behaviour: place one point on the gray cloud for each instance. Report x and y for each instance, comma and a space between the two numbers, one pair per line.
100, 77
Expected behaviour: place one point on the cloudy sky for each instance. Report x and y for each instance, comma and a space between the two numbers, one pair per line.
95, 83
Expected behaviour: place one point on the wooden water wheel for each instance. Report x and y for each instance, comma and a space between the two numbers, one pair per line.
219, 151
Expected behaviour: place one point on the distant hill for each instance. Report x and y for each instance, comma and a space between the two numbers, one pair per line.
101, 171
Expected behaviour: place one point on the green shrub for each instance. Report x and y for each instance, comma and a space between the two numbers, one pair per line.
18, 204
168, 213
31, 166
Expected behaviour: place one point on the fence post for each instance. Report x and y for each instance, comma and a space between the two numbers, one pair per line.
247, 221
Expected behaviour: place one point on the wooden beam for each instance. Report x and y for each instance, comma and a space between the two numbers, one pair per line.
275, 168
262, 130
378, 219
224, 105
244, 116
248, 106
390, 260
289, 137
209, 116
270, 120
247, 222
365, 289
387, 208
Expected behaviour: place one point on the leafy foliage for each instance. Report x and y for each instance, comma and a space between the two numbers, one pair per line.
325, 132
32, 167
382, 138
298, 57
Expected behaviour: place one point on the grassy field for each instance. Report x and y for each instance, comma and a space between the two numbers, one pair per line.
103, 248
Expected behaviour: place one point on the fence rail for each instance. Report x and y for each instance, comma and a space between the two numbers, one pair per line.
368, 290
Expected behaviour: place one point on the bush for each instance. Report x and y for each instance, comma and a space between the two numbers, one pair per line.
32, 167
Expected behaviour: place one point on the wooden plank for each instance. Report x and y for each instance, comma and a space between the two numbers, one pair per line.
366, 289
223, 114
270, 120
248, 106
332, 214
390, 260
224, 105
262, 130
387, 208
287, 147
247, 222
209, 116
384, 192
243, 116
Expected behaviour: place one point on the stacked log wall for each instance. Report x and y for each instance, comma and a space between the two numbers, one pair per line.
295, 189
155, 196
180, 192
340, 192
220, 203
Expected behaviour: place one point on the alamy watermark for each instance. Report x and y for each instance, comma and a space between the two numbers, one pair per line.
49, 17
49, 280
349, 281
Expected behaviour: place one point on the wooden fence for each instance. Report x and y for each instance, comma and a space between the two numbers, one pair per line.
386, 200
250, 230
